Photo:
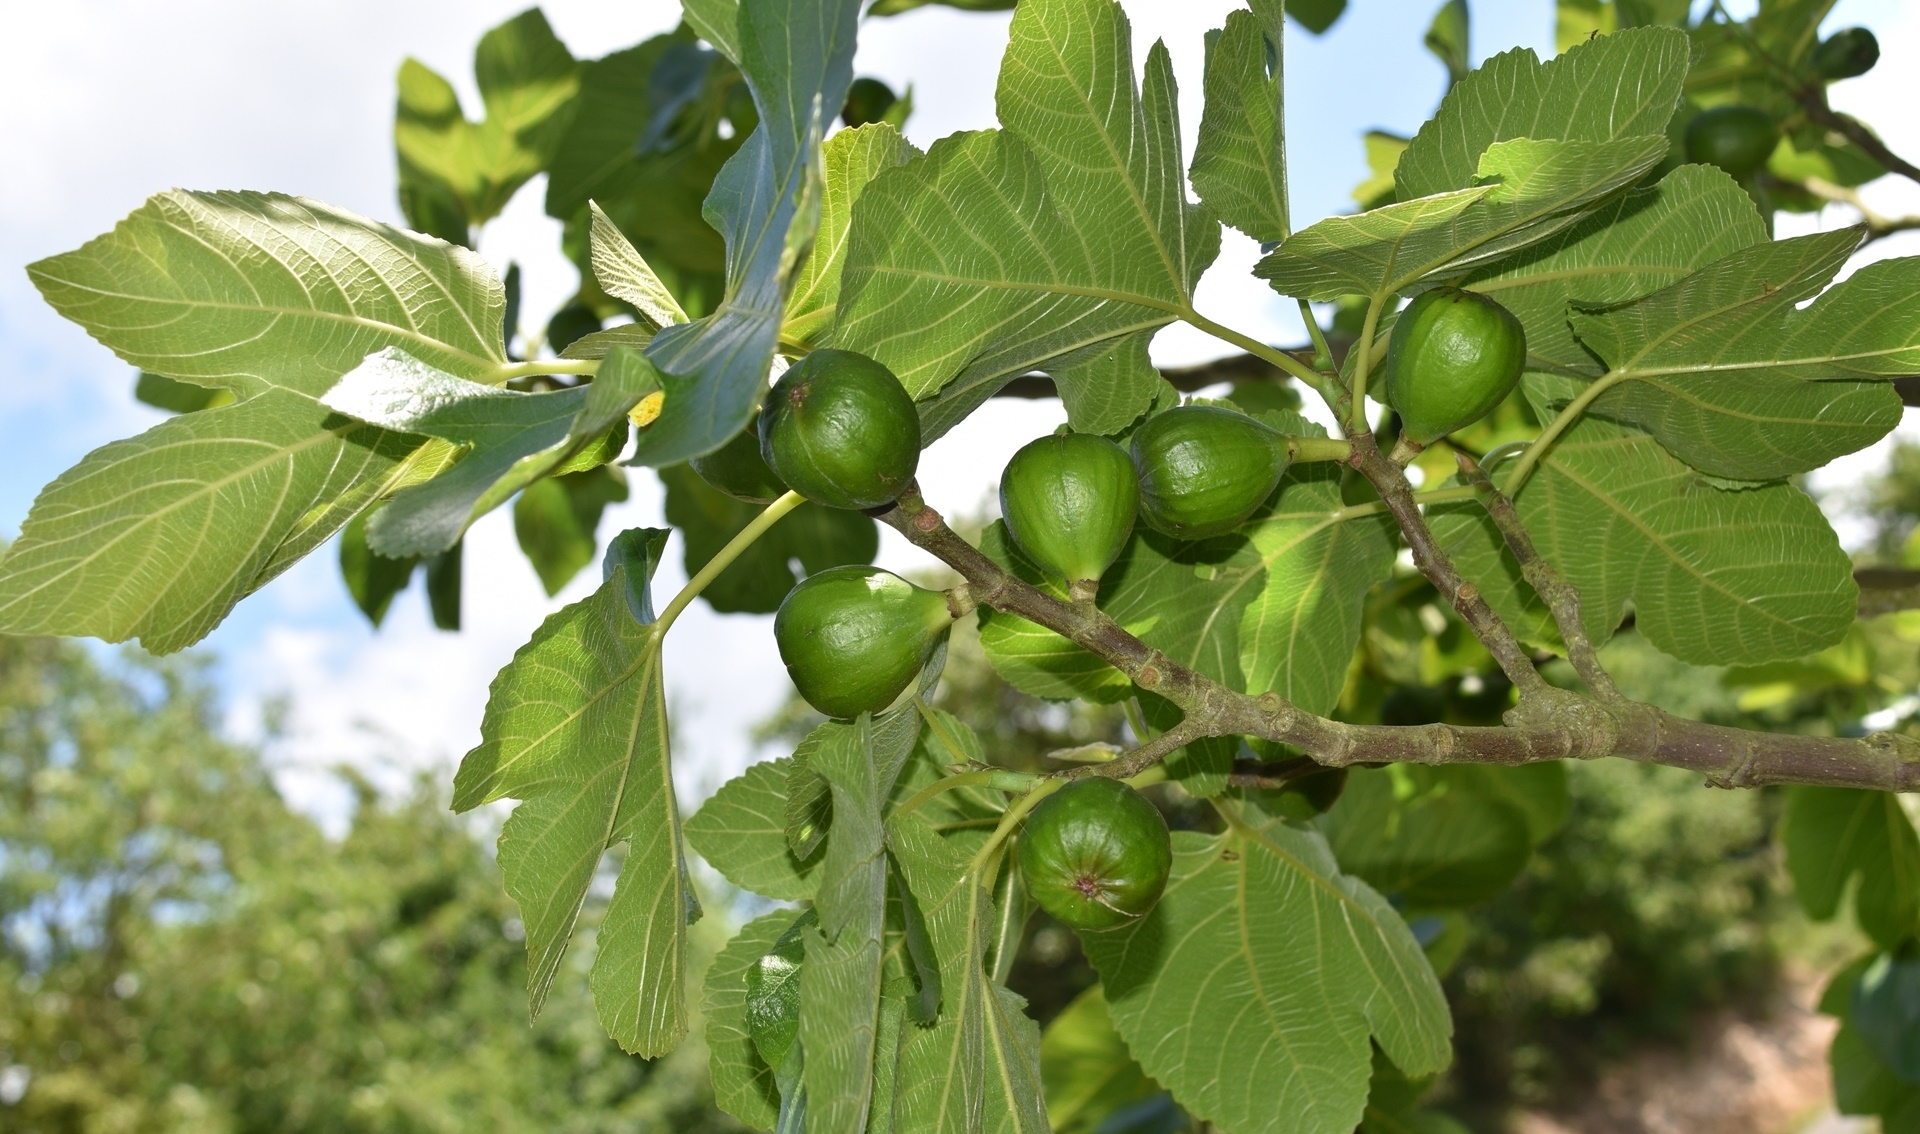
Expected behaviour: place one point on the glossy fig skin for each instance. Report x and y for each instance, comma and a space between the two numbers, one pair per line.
1738, 139
853, 638
840, 430
738, 469
1453, 356
1846, 54
1069, 501
1202, 470
1095, 854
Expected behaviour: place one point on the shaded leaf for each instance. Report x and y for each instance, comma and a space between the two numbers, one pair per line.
1626, 522
742, 1082
1086, 1068
978, 1069
816, 537
840, 999
556, 518
741, 832
1426, 837
372, 580
1834, 835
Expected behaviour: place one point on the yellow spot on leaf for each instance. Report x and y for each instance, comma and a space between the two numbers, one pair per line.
643, 414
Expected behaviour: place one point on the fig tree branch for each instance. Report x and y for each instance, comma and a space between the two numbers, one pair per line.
1566, 726
1559, 595
1390, 480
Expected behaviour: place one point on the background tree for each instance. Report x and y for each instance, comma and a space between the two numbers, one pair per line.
183, 952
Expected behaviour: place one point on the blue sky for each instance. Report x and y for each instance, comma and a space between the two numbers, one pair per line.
118, 99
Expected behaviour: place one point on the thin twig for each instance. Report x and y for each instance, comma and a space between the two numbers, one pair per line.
1390, 480
1559, 595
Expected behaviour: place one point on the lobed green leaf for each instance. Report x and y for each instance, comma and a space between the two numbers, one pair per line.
978, 1068
999, 251
1616, 87
1835, 835
1240, 158
260, 291
159, 536
576, 728
850, 160
797, 59
1253, 989
1626, 522
1526, 191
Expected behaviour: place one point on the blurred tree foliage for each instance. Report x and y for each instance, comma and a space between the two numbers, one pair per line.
183, 952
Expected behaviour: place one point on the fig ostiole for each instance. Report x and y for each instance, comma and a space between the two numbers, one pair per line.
738, 469
839, 429
1095, 854
1203, 470
1069, 501
854, 638
1738, 139
1453, 356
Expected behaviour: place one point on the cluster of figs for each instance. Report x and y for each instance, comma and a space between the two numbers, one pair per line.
840, 430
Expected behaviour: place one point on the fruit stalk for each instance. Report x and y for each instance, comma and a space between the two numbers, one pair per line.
724, 558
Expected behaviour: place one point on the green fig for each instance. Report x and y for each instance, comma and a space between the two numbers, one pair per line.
854, 638
1095, 854
1453, 356
868, 100
738, 469
840, 430
1846, 54
1203, 470
1069, 502
1738, 139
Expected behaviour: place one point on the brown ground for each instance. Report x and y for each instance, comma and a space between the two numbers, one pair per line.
1742, 1074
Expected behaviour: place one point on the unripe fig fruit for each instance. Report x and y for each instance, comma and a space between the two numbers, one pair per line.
840, 430
1095, 854
1453, 356
1069, 502
1845, 54
868, 100
1738, 139
1202, 470
738, 469
854, 638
